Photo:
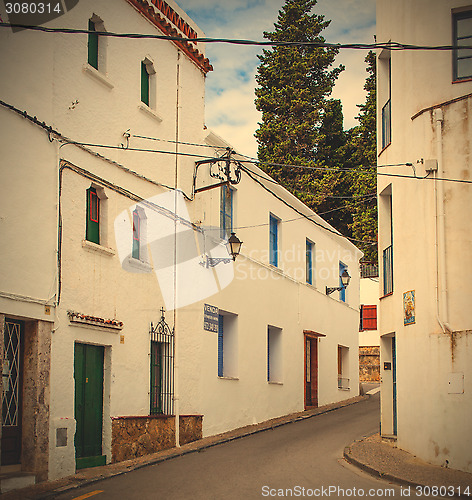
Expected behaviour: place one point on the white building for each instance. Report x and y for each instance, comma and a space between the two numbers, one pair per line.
96, 241
425, 238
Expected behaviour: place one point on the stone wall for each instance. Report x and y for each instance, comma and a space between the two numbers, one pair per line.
369, 364
137, 436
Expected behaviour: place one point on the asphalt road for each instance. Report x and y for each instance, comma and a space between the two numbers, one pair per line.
305, 454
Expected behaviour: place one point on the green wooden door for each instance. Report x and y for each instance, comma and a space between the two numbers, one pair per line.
88, 375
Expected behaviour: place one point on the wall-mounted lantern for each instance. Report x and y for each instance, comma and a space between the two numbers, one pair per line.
233, 245
345, 279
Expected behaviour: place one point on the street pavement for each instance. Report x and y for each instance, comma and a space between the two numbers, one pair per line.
300, 455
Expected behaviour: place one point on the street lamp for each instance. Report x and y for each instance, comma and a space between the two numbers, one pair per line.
233, 245
345, 279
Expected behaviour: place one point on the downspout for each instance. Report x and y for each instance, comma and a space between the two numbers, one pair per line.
176, 330
440, 232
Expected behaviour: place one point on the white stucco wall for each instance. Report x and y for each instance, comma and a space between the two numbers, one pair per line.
369, 295
58, 87
433, 423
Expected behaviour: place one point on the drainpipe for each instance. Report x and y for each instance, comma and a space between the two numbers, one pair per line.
440, 232
176, 330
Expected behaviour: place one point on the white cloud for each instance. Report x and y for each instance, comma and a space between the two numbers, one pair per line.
230, 109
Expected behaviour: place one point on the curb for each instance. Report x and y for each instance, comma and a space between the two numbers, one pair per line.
179, 452
385, 475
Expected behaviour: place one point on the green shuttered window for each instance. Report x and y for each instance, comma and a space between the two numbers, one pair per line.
93, 216
92, 45
144, 83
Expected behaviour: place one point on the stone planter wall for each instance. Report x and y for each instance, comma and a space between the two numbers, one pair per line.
369, 364
142, 435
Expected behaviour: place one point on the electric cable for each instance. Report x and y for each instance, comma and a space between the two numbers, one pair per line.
337, 46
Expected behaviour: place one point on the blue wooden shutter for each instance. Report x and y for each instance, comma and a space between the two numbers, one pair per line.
309, 262
273, 241
342, 292
92, 45
220, 345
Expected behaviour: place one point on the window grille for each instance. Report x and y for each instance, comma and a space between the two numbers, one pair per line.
162, 368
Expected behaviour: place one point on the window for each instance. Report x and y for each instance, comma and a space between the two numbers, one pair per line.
368, 320
273, 241
161, 369
342, 292
343, 367
462, 58
92, 45
148, 83
226, 212
96, 45
385, 91
309, 262
93, 215
227, 346
274, 354
136, 234
386, 236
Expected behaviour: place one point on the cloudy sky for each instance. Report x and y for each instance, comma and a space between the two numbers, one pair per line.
230, 109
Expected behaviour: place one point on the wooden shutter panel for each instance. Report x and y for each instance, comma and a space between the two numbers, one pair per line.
92, 45
92, 232
144, 84
220, 345
369, 317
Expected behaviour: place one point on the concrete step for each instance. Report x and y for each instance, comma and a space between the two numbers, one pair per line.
15, 480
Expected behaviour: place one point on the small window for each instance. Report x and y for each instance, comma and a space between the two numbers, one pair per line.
309, 262
368, 320
93, 216
343, 367
273, 241
342, 292
136, 234
462, 58
226, 212
96, 44
92, 45
274, 355
148, 83
227, 346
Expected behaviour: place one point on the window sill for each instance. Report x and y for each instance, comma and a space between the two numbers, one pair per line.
344, 389
386, 295
139, 264
463, 80
149, 111
228, 378
93, 247
100, 77
274, 383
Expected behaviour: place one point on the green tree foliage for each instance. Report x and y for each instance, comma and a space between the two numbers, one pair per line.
362, 155
302, 126
294, 84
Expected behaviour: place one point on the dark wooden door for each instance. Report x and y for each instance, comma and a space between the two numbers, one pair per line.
88, 375
12, 391
311, 372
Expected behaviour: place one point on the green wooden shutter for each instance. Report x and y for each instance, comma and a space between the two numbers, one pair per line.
136, 235
93, 216
92, 45
144, 84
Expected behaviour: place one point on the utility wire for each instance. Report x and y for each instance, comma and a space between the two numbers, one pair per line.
359, 46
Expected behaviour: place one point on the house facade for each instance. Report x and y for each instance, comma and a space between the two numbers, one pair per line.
425, 240
120, 310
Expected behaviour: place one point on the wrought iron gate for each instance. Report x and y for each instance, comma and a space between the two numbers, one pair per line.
162, 368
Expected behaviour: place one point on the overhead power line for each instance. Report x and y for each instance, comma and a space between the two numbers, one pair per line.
358, 46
